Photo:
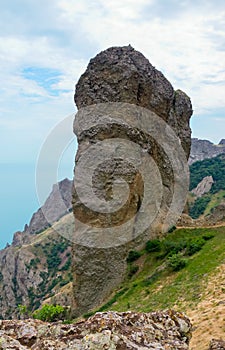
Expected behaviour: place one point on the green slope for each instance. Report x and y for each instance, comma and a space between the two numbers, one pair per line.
156, 286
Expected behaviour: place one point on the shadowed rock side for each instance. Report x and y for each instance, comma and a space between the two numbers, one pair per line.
121, 75
158, 330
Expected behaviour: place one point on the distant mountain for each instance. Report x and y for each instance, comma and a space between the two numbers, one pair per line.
203, 149
56, 205
36, 266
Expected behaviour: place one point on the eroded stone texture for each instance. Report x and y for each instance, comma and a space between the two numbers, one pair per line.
115, 79
217, 344
158, 330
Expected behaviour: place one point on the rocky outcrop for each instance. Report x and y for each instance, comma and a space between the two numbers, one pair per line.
203, 149
203, 187
157, 330
217, 215
217, 344
122, 98
121, 74
56, 205
33, 272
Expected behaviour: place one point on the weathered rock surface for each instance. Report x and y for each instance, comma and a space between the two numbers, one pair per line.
167, 330
33, 272
217, 215
204, 186
202, 149
217, 344
121, 76
58, 203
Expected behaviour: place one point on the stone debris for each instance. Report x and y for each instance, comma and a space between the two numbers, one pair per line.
217, 344
166, 330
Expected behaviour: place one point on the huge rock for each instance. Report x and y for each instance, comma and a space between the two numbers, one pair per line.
158, 330
119, 98
204, 186
122, 74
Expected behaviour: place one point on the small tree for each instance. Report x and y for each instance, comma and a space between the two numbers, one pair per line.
50, 313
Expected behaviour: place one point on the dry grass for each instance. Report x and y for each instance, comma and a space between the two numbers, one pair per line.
208, 317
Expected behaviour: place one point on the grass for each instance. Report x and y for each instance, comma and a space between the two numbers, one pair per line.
215, 200
156, 286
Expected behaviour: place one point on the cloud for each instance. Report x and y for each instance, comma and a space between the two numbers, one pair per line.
42, 59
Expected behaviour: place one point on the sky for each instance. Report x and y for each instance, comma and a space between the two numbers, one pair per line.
46, 45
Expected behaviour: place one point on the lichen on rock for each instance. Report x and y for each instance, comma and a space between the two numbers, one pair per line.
110, 330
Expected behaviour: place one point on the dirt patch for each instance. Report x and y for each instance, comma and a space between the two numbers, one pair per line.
208, 317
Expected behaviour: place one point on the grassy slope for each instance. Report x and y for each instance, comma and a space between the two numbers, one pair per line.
215, 200
185, 290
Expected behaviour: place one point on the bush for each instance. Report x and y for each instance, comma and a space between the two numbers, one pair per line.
199, 206
133, 269
194, 245
173, 247
176, 262
50, 313
173, 228
133, 255
153, 245
208, 236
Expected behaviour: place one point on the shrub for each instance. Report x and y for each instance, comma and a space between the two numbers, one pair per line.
50, 313
176, 262
154, 245
133, 255
173, 228
194, 245
208, 236
133, 269
199, 206
173, 247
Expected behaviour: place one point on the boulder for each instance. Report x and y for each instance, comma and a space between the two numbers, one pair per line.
133, 137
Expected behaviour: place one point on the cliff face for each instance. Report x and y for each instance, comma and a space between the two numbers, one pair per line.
33, 272
53, 208
37, 264
202, 149
130, 108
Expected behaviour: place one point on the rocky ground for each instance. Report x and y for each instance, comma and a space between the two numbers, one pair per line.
167, 330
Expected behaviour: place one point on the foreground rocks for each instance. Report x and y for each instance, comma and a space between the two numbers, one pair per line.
217, 344
167, 330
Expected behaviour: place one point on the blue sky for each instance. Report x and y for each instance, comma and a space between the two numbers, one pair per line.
46, 45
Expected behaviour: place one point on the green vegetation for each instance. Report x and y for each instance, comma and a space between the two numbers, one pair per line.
175, 274
50, 313
176, 262
199, 206
153, 245
214, 167
133, 255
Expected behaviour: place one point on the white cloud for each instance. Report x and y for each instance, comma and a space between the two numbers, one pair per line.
184, 40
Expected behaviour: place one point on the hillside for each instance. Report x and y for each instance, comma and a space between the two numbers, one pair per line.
206, 203
184, 272
36, 270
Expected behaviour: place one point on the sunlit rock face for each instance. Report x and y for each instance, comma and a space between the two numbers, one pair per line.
130, 176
